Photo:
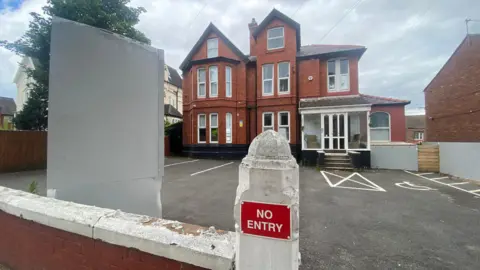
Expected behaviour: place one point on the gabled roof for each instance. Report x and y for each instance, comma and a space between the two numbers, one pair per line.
275, 14
415, 121
350, 100
7, 106
310, 51
211, 28
174, 77
169, 110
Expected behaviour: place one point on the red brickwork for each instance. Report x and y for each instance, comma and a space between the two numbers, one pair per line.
411, 134
28, 245
452, 99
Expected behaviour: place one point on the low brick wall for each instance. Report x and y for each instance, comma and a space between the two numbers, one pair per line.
44, 233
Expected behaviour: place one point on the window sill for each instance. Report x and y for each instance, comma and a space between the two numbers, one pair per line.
337, 91
276, 50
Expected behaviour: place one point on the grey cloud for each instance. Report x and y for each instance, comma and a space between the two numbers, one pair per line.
408, 41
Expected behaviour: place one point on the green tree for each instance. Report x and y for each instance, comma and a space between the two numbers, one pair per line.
112, 15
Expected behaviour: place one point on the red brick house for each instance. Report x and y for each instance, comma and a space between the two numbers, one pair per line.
452, 99
415, 128
309, 94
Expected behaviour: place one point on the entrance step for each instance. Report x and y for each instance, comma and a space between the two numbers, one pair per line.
338, 168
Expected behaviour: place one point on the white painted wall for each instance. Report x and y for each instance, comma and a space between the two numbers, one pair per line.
105, 137
460, 159
394, 156
21, 80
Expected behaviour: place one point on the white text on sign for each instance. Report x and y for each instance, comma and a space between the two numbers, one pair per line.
263, 225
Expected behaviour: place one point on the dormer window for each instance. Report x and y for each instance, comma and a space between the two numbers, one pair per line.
212, 47
275, 38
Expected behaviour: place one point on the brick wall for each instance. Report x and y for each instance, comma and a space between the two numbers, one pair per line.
29, 245
411, 134
452, 98
44, 233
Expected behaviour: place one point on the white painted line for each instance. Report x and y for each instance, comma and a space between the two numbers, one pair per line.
372, 187
438, 178
475, 191
211, 169
456, 184
409, 185
426, 173
369, 189
180, 163
438, 182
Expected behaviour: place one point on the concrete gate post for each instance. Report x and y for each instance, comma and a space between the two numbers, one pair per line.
267, 206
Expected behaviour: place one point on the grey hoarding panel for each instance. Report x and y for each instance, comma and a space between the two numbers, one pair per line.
399, 157
105, 135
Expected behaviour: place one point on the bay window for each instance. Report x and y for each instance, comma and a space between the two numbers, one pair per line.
267, 79
228, 81
338, 75
201, 82
380, 127
283, 78
213, 77
213, 128
202, 129
267, 121
228, 127
284, 125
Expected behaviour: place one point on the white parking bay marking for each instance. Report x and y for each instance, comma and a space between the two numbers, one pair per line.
369, 184
456, 184
216, 167
441, 183
427, 173
438, 178
409, 185
475, 191
183, 162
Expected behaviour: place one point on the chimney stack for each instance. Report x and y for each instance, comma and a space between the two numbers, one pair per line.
252, 26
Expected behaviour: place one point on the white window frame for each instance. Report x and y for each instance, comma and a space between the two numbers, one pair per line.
282, 126
338, 76
211, 49
282, 78
212, 81
199, 127
389, 128
201, 83
228, 139
264, 80
420, 137
212, 127
270, 38
263, 121
228, 81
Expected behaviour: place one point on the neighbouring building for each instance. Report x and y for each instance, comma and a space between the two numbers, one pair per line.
415, 128
452, 98
309, 94
172, 88
173, 96
22, 81
7, 111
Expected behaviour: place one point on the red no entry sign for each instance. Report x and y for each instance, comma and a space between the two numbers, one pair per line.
265, 219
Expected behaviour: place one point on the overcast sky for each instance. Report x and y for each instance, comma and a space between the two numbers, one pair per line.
407, 40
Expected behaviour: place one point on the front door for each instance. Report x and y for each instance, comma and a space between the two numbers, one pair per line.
334, 127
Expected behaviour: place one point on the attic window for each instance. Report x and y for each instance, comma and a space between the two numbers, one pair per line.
275, 38
212, 47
